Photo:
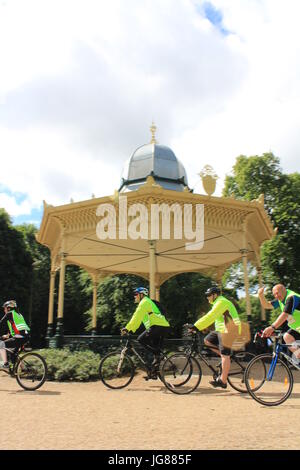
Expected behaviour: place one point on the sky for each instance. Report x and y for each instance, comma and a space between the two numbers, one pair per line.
82, 80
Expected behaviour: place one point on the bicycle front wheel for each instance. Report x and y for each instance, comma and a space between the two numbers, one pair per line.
268, 387
116, 370
31, 371
239, 362
181, 374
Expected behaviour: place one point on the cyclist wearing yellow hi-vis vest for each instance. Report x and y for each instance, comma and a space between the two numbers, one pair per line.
18, 331
289, 303
148, 313
221, 309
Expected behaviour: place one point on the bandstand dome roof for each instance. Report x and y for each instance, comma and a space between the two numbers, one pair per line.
157, 161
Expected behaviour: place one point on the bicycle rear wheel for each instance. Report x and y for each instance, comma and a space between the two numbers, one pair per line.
268, 388
31, 371
181, 374
239, 362
116, 370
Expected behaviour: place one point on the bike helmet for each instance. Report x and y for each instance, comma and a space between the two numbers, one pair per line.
141, 290
213, 290
10, 304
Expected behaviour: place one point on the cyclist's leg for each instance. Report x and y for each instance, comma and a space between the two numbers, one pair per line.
10, 343
157, 336
145, 340
225, 357
212, 342
3, 353
291, 336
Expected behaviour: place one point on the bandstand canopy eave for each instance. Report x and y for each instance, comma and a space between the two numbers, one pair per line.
230, 226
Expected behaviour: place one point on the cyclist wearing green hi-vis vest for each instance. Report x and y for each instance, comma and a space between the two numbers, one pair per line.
18, 331
289, 303
148, 313
221, 308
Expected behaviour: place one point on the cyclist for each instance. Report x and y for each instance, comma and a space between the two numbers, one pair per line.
289, 303
218, 314
18, 331
157, 326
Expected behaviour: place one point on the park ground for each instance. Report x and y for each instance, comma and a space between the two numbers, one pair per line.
88, 416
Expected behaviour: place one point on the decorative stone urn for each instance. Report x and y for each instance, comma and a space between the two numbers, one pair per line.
209, 179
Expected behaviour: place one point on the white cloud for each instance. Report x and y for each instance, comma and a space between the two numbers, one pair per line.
81, 82
13, 207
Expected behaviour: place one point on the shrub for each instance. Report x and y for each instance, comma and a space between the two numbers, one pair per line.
64, 365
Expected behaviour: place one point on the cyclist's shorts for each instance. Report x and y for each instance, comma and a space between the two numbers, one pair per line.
215, 338
294, 333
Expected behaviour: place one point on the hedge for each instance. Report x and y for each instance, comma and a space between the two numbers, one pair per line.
64, 365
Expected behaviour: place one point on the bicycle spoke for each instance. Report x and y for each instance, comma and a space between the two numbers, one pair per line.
239, 362
267, 384
31, 371
181, 374
116, 370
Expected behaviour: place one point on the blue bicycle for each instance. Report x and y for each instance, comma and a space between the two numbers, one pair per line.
268, 377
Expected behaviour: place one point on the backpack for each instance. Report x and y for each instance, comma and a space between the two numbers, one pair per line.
160, 307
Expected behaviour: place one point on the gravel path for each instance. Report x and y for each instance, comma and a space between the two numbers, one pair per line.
90, 416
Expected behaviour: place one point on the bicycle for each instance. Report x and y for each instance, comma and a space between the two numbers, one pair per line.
174, 367
117, 368
29, 368
268, 377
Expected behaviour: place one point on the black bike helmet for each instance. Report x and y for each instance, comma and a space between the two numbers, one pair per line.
213, 290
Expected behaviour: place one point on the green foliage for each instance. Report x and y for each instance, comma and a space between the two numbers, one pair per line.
115, 303
256, 322
64, 365
184, 300
262, 174
15, 263
39, 284
182, 297
110, 367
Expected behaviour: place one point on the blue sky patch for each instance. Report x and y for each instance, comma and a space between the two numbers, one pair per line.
215, 16
35, 217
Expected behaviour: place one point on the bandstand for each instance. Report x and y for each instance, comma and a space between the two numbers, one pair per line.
229, 230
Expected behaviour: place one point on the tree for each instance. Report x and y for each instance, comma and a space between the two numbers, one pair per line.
262, 174
38, 290
115, 303
15, 265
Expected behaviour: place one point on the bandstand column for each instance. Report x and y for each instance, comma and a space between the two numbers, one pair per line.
152, 268
94, 311
50, 329
60, 310
157, 293
246, 283
260, 283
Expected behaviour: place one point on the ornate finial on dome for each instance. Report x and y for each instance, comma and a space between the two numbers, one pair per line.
153, 130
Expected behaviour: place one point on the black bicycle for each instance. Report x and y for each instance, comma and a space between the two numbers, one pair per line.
179, 364
117, 368
29, 368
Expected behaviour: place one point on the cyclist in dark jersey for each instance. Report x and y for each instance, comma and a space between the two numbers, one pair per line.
289, 303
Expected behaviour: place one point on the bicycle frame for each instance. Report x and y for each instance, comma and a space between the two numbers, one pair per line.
128, 347
278, 350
